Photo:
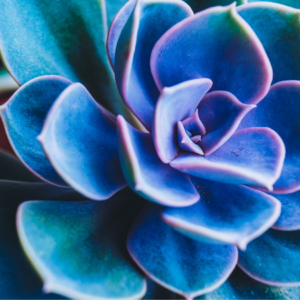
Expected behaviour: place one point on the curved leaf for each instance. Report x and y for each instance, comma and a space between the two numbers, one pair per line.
65, 38
273, 258
280, 111
147, 23
216, 44
79, 247
281, 39
147, 175
252, 156
23, 117
225, 213
80, 139
183, 265
175, 104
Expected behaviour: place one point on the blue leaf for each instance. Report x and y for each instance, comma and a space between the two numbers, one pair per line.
198, 5
273, 258
280, 111
80, 139
183, 265
241, 286
225, 213
290, 212
23, 117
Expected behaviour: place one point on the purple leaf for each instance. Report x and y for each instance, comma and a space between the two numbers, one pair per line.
185, 142
175, 104
217, 44
147, 175
252, 156
146, 24
221, 113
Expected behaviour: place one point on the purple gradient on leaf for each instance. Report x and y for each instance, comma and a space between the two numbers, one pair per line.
175, 104
217, 44
185, 143
251, 156
147, 23
280, 110
147, 175
194, 125
221, 113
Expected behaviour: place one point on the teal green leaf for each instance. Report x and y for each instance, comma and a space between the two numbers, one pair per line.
18, 280
66, 38
79, 248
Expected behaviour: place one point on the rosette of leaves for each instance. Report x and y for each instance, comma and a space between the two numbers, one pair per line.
159, 158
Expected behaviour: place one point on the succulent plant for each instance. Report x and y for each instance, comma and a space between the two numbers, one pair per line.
157, 159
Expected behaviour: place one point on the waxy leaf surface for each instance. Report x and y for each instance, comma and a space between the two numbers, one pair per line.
79, 248
216, 44
252, 156
226, 213
273, 258
146, 24
183, 265
80, 139
24, 116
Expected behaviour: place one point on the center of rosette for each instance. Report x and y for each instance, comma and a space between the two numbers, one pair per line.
190, 132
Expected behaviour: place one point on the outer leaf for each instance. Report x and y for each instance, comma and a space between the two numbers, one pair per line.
198, 5
23, 117
147, 175
273, 258
18, 279
183, 265
175, 104
252, 156
65, 38
80, 139
225, 213
216, 44
149, 20
79, 248
241, 286
280, 111
280, 40
290, 212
